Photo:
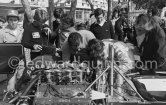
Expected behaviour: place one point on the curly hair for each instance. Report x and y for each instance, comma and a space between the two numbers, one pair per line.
144, 18
95, 48
41, 15
75, 39
58, 13
67, 20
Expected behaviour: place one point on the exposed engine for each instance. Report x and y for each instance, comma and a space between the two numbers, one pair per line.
65, 84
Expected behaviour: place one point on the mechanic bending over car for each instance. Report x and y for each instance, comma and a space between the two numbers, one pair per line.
100, 50
76, 45
76, 42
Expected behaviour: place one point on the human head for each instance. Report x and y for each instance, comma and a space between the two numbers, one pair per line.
40, 15
149, 12
115, 14
96, 49
143, 24
67, 22
12, 19
58, 13
74, 41
81, 26
99, 15
155, 11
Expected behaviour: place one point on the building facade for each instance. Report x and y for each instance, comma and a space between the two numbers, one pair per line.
83, 9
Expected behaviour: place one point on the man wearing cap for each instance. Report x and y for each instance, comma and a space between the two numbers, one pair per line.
12, 33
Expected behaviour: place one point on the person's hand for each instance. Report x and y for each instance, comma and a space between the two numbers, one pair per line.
11, 84
37, 47
47, 30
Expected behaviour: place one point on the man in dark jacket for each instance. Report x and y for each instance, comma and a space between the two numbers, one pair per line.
102, 29
58, 14
119, 26
37, 35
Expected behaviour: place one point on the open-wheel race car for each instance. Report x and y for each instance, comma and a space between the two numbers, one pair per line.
53, 83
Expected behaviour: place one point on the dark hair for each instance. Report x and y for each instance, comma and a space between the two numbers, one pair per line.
58, 12
95, 48
41, 15
98, 12
81, 26
154, 11
91, 15
149, 10
75, 39
144, 18
115, 12
69, 21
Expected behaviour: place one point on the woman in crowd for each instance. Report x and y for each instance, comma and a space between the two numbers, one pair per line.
152, 42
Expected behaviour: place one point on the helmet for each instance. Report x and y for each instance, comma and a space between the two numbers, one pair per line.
12, 13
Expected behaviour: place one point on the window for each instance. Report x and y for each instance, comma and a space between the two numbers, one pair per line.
78, 14
83, 1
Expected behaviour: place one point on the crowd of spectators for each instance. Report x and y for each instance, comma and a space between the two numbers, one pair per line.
93, 43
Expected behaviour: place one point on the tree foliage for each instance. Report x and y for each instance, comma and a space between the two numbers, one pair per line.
50, 12
91, 5
149, 3
72, 8
109, 9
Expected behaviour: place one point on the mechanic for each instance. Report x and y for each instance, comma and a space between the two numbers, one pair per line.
37, 36
123, 56
76, 43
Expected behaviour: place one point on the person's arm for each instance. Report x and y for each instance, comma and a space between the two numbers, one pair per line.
126, 22
19, 38
66, 52
27, 38
161, 41
1, 36
49, 34
112, 30
91, 28
125, 57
